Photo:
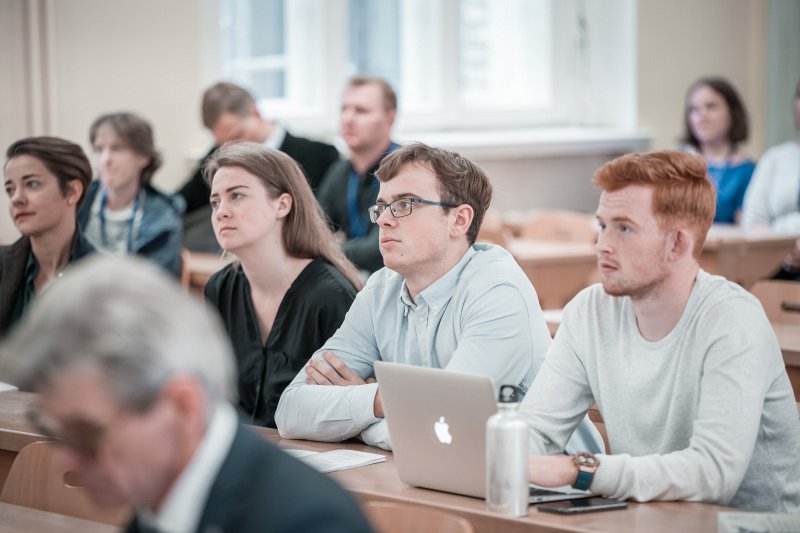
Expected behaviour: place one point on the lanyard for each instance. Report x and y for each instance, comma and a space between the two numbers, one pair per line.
102, 216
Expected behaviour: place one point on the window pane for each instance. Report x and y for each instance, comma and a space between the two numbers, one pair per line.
256, 45
506, 53
375, 39
394, 39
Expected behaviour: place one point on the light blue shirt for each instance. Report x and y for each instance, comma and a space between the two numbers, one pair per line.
481, 317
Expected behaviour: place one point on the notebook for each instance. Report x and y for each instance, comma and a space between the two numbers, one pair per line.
437, 426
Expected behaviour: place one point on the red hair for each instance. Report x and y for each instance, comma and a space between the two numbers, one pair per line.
683, 195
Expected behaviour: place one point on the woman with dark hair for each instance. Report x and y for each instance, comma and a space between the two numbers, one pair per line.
123, 213
45, 180
773, 198
715, 124
291, 286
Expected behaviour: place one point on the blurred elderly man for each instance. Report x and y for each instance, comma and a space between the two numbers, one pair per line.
134, 378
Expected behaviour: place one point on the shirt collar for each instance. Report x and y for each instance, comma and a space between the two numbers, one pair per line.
276, 138
440, 291
374, 168
186, 500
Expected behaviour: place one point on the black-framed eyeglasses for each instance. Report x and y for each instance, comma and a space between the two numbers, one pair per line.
400, 208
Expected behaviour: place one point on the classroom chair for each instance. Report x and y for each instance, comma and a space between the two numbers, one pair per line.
35, 480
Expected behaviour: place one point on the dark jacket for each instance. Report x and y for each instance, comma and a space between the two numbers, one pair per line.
161, 233
332, 195
314, 158
13, 260
261, 488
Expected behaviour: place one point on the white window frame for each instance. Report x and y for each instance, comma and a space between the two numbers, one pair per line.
594, 70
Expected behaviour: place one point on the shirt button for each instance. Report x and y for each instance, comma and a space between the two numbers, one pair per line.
435, 307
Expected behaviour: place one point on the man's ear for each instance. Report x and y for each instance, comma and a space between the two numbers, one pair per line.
463, 216
681, 243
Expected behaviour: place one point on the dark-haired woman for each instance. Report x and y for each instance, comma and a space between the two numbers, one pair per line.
123, 213
715, 125
45, 179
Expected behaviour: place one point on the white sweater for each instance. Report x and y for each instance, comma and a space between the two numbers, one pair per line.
773, 195
705, 414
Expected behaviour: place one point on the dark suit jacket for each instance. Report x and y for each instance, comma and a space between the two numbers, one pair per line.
14, 259
314, 158
263, 489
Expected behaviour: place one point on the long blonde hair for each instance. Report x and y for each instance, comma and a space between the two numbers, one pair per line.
306, 233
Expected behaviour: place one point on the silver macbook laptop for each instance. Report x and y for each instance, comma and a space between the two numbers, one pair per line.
437, 425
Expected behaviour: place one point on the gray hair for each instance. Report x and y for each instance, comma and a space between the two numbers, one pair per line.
128, 319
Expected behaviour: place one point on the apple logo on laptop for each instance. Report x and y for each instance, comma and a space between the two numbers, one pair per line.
442, 430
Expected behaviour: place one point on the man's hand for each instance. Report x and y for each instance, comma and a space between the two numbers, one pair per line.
331, 371
552, 470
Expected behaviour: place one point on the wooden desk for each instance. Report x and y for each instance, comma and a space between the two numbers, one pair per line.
744, 257
558, 270
15, 432
379, 482
14, 518
789, 340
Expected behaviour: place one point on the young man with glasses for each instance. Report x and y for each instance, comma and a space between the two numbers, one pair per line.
442, 301
134, 377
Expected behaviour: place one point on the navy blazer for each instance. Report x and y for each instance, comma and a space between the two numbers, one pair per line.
262, 489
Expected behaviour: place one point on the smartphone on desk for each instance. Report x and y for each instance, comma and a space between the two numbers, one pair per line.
582, 505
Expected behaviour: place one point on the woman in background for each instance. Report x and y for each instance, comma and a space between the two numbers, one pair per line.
773, 198
715, 125
45, 180
291, 286
123, 213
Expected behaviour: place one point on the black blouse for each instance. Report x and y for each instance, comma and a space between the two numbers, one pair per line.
311, 311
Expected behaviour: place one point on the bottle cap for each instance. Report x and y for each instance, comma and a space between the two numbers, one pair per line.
508, 394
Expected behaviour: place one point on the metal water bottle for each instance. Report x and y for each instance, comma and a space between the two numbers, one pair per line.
507, 457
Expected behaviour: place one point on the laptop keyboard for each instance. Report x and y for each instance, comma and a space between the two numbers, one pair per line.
534, 491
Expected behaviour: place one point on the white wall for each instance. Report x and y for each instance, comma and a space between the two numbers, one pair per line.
102, 56
147, 56
680, 41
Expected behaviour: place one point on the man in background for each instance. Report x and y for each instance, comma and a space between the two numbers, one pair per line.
134, 379
230, 113
369, 108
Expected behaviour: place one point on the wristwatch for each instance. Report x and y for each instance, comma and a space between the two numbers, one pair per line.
587, 465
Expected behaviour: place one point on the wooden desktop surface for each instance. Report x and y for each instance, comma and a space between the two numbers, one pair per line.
789, 340
558, 270
14, 519
379, 482
744, 256
15, 432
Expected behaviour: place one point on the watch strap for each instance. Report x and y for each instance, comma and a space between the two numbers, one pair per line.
584, 479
